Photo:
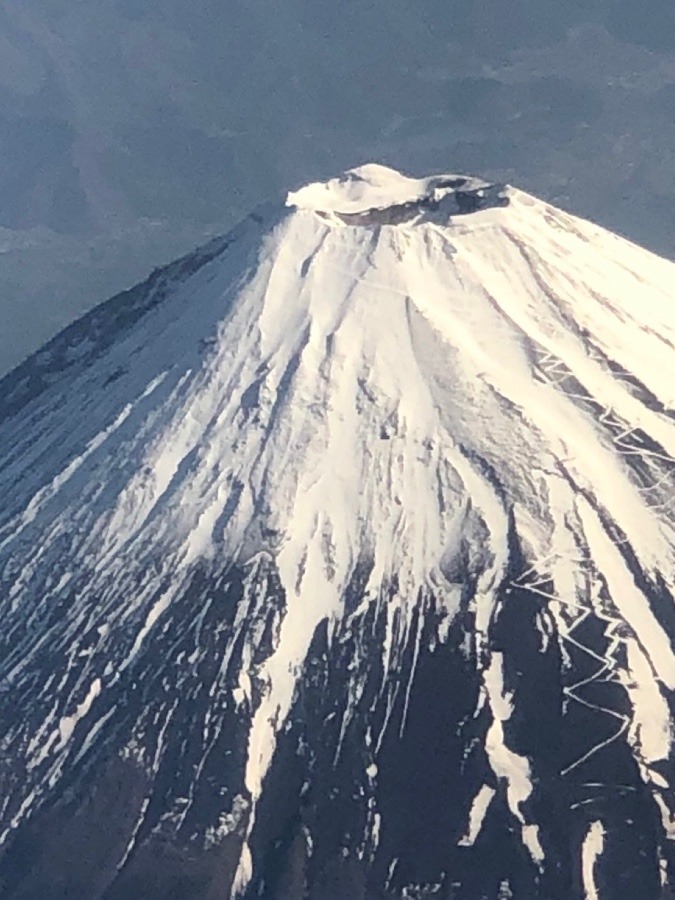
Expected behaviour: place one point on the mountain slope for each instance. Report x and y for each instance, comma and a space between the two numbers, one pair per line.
337, 561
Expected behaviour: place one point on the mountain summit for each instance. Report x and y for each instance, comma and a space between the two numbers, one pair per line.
337, 561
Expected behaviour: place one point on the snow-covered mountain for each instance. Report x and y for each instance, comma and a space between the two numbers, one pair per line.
337, 560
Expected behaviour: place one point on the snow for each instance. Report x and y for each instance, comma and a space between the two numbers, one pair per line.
371, 186
322, 394
631, 602
477, 815
375, 187
593, 847
68, 723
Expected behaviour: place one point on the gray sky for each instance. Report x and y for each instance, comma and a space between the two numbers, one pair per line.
130, 131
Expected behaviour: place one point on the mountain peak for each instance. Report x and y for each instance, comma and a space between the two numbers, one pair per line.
376, 193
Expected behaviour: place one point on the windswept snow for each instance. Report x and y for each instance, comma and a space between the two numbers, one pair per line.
449, 414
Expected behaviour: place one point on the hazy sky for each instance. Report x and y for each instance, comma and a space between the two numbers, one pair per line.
129, 131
